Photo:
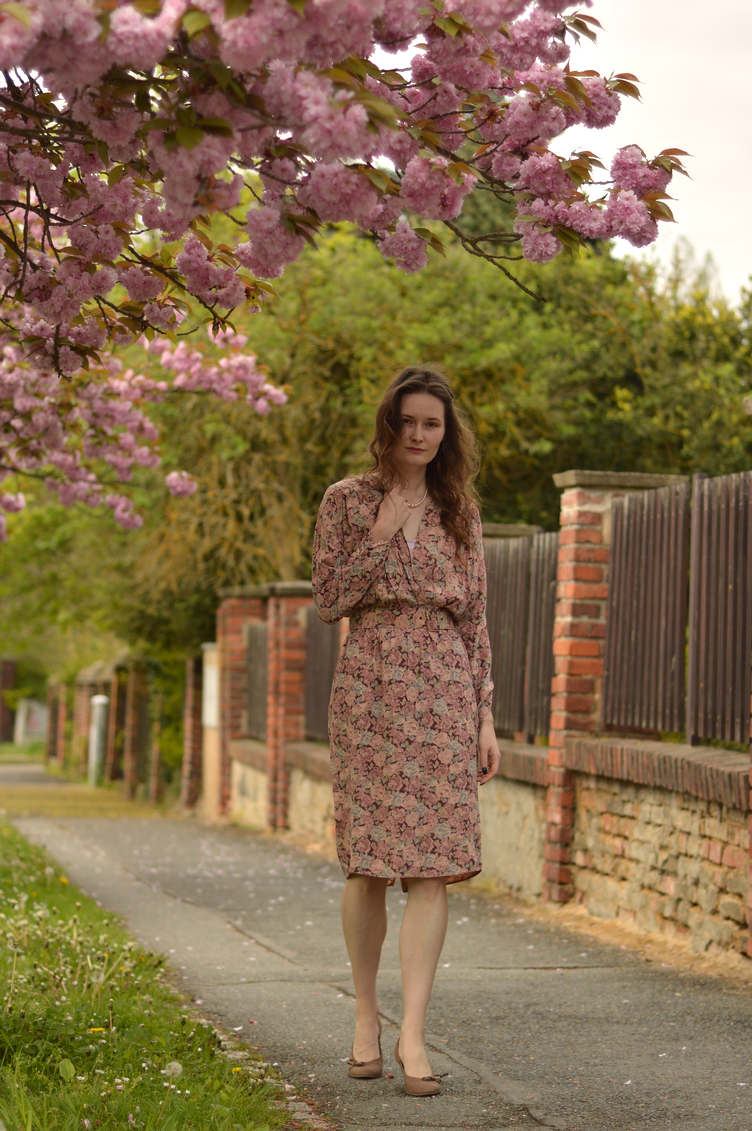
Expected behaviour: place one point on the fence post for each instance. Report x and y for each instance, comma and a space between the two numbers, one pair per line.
579, 636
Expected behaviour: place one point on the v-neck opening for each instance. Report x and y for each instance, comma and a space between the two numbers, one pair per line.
421, 526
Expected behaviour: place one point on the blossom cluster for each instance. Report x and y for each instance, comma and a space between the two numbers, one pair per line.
125, 127
83, 435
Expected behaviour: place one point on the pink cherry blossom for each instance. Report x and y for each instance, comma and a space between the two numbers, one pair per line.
272, 245
544, 176
630, 170
337, 192
406, 248
429, 188
181, 484
278, 119
539, 246
629, 217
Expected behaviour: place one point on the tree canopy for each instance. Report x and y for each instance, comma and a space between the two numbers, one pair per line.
128, 128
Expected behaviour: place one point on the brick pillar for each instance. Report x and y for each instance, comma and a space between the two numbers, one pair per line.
190, 785
238, 607
110, 761
130, 752
7, 681
81, 719
50, 747
579, 637
285, 719
62, 721
155, 767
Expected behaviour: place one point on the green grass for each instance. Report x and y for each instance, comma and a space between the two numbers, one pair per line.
30, 752
92, 1034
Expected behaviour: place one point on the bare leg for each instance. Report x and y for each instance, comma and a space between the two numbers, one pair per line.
422, 935
364, 925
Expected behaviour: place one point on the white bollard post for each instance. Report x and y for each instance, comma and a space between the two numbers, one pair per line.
97, 737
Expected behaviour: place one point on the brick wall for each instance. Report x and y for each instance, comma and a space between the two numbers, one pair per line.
666, 861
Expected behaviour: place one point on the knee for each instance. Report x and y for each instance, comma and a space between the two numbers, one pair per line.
432, 891
366, 887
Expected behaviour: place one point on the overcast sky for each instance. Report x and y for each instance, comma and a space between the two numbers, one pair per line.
694, 61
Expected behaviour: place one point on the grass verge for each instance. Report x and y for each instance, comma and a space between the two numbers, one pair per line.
92, 1034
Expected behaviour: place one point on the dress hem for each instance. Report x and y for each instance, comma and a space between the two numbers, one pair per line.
391, 880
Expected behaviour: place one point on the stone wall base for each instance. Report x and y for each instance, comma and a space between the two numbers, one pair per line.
666, 861
311, 807
249, 796
513, 822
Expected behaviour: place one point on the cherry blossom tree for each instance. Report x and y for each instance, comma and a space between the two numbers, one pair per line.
128, 126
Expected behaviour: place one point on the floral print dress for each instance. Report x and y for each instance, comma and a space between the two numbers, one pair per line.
412, 683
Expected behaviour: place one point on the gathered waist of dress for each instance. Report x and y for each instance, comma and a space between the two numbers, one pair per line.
406, 617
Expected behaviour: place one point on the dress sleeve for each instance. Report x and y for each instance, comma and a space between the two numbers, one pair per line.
473, 628
341, 579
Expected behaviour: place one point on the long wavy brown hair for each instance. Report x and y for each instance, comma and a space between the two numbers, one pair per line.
450, 474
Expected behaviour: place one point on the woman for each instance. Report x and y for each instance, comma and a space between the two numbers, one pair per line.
399, 552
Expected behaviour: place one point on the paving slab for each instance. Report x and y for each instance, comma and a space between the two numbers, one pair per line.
534, 1024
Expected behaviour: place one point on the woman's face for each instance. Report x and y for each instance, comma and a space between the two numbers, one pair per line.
422, 429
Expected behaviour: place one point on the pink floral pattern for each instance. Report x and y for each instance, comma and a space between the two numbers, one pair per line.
412, 682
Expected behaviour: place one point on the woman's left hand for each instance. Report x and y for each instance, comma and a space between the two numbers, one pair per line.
488, 751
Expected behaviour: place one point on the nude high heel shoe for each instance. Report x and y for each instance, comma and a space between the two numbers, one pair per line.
418, 1085
366, 1069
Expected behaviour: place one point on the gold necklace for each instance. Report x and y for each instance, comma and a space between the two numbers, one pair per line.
413, 506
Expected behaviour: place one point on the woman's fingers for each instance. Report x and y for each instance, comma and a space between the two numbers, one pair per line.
488, 762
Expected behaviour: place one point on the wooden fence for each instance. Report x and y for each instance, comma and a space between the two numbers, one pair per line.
720, 609
678, 653
322, 652
646, 622
521, 603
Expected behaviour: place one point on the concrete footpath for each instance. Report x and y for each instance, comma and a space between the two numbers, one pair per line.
536, 1024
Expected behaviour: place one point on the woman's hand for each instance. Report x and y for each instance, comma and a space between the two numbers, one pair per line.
393, 514
488, 751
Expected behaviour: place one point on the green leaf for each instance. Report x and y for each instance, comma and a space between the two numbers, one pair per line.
448, 24
194, 22
235, 8
298, 5
66, 1070
189, 136
19, 11
218, 126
